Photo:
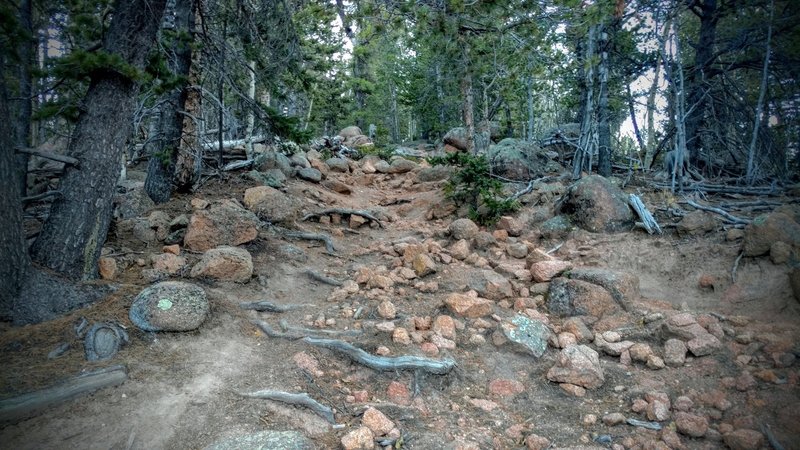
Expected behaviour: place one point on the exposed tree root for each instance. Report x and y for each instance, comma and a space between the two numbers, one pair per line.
322, 278
329, 247
719, 211
381, 363
265, 306
344, 212
294, 399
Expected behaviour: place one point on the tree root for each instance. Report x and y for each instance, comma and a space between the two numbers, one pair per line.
302, 399
719, 211
294, 333
265, 306
329, 247
344, 211
322, 278
381, 363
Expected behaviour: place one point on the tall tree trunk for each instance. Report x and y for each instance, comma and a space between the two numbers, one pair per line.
251, 115
14, 260
221, 98
468, 105
696, 98
440, 98
586, 141
760, 105
74, 233
393, 113
531, 117
603, 128
161, 166
651, 112
23, 111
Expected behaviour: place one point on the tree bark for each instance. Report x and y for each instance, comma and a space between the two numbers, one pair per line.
71, 239
585, 142
760, 105
23, 111
468, 105
161, 166
603, 128
14, 260
708, 13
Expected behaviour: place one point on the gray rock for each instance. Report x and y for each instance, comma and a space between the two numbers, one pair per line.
264, 440
623, 286
435, 173
401, 165
300, 160
132, 203
517, 159
596, 205
492, 285
555, 227
310, 174
578, 364
463, 229
529, 335
576, 298
170, 306
338, 165
103, 341
273, 160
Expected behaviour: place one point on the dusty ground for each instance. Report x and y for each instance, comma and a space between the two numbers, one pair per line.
182, 387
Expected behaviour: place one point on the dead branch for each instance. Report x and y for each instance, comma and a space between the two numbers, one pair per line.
269, 331
773, 441
344, 211
302, 399
382, 363
322, 278
648, 221
719, 211
237, 165
27, 405
265, 306
723, 189
329, 247
33, 198
47, 155
522, 192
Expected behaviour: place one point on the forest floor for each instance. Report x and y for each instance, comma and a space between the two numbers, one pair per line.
182, 390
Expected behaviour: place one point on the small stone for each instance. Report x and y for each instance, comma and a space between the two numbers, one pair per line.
573, 389
639, 406
640, 352
547, 270
383, 351
505, 388
175, 249
429, 348
225, 264
613, 419
511, 225
566, 339
486, 405
707, 281
744, 439
517, 250
460, 250
199, 203
387, 310
658, 406
682, 403
463, 229
444, 326
359, 439
780, 252
674, 352
671, 438
612, 336
107, 267
691, 424
655, 363
401, 336
536, 442
444, 343
386, 327
589, 419
577, 364
423, 265
704, 345
467, 306
477, 339
745, 382
377, 421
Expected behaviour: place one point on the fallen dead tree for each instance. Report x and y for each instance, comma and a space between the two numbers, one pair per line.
301, 399
384, 363
28, 405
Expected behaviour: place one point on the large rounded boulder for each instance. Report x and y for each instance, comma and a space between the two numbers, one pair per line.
517, 159
767, 229
170, 306
596, 205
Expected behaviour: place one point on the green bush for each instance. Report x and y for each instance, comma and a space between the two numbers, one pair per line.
473, 185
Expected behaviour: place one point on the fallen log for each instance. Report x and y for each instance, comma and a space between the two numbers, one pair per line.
719, 211
47, 155
28, 405
384, 363
344, 211
302, 399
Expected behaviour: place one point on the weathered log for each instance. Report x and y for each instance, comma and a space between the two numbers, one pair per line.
228, 144
329, 247
28, 405
237, 165
344, 211
308, 332
302, 399
648, 221
383, 363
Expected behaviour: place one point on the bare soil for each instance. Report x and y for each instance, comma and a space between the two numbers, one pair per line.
182, 387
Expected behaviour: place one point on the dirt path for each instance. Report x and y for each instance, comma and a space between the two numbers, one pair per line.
182, 391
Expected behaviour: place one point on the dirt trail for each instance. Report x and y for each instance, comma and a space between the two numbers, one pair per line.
182, 391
